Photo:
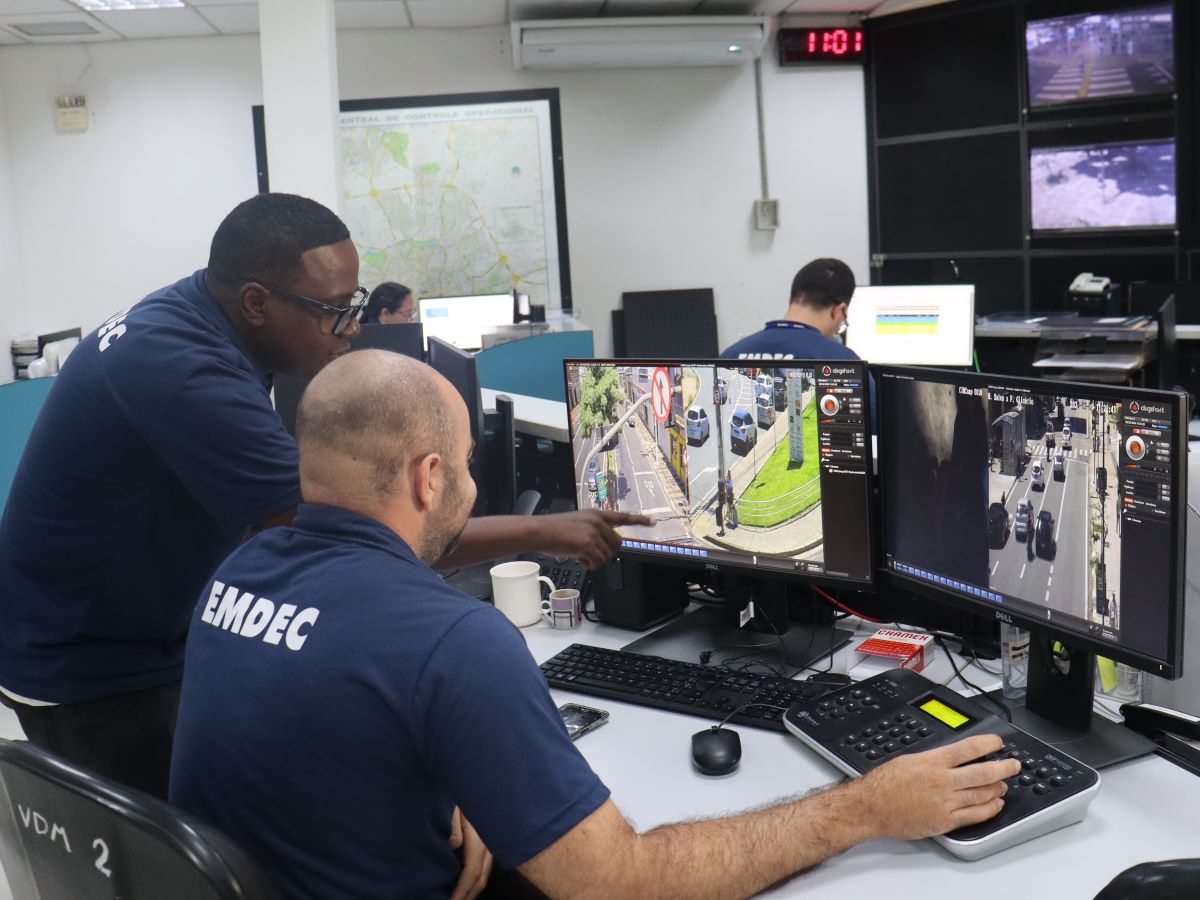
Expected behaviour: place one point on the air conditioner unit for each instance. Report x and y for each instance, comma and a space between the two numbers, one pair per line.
638, 42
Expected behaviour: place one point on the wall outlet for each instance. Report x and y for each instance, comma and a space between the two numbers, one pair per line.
766, 215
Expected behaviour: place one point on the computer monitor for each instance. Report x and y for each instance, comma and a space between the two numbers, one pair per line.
931, 324
462, 321
1103, 187
458, 367
1100, 55
1054, 506
405, 338
1166, 352
674, 438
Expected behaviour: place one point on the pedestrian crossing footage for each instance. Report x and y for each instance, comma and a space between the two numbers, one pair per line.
1100, 56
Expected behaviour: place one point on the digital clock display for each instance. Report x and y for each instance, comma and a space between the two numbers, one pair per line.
798, 46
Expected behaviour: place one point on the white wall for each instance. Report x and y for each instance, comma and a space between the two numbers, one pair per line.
12, 296
661, 168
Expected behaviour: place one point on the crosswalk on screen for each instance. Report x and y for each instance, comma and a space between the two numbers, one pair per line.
1052, 503
759, 463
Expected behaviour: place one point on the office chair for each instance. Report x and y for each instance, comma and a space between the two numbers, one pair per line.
1171, 879
66, 834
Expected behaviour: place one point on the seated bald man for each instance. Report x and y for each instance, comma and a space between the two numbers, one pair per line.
341, 703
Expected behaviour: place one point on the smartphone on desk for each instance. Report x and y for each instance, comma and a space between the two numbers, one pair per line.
581, 719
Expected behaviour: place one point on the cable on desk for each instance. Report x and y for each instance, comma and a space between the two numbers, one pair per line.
983, 695
842, 606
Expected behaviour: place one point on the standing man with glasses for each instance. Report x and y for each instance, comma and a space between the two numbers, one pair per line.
816, 317
156, 453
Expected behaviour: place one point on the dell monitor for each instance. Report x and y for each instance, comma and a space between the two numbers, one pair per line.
462, 321
756, 469
930, 325
1053, 506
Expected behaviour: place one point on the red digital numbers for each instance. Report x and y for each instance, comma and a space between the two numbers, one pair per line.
824, 43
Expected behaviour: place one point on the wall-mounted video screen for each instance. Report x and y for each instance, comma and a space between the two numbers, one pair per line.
1099, 56
1103, 186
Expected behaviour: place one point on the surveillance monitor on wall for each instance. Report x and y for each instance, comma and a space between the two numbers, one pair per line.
1054, 506
1103, 187
1101, 55
462, 321
913, 324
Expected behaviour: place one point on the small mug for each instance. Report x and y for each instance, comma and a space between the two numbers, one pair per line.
517, 592
563, 608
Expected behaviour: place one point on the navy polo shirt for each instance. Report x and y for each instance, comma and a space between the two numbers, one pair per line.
156, 448
781, 339
340, 699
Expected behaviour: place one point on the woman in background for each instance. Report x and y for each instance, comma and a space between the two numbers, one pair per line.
389, 304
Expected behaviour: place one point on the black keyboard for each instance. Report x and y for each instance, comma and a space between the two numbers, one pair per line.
711, 692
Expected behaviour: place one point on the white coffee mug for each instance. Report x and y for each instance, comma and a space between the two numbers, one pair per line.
516, 591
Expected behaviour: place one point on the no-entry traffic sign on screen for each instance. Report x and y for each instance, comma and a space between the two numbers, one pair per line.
660, 394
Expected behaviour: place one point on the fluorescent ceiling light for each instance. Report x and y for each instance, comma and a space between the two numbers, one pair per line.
53, 29
111, 5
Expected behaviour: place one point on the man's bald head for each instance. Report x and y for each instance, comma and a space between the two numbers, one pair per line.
364, 418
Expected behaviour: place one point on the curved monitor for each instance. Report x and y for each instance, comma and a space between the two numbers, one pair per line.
755, 464
1055, 506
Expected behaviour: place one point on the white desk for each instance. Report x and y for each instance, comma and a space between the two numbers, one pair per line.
540, 418
1147, 809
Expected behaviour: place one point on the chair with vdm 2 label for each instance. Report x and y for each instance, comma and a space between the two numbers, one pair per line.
66, 834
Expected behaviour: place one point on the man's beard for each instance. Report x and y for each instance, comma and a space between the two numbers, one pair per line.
442, 535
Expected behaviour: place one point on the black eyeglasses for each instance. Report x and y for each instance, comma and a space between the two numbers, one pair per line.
343, 315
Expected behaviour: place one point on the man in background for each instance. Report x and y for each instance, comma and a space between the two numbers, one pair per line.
816, 314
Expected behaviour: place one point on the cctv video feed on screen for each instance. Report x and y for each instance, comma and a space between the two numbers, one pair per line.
1103, 186
749, 462
1094, 56
1053, 502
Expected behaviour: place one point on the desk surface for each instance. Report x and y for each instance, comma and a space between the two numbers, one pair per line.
541, 418
1147, 809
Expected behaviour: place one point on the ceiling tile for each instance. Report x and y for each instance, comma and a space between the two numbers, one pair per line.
519, 10
17, 7
440, 14
11, 23
370, 14
6, 38
156, 23
649, 7
830, 6
242, 19
253, 3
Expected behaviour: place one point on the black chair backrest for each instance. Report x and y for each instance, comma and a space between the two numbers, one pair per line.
1171, 879
66, 834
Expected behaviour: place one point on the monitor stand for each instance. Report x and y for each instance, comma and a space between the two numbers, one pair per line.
715, 631
1058, 708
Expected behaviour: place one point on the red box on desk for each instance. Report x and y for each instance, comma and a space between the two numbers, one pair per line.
889, 649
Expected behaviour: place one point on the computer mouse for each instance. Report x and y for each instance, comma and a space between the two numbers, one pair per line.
716, 751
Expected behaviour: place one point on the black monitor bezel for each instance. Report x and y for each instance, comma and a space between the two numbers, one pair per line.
735, 566
1169, 667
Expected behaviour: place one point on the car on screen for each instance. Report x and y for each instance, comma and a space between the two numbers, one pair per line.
1060, 471
722, 390
1066, 436
764, 384
1024, 514
766, 410
780, 393
697, 425
592, 470
1043, 540
999, 525
742, 430
1037, 476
